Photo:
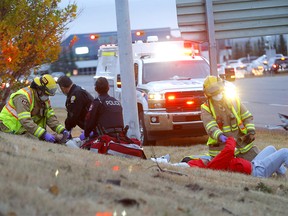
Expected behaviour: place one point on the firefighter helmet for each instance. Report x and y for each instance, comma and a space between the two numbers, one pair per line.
46, 84
212, 86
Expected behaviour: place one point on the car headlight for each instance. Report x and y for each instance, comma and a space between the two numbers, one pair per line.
156, 100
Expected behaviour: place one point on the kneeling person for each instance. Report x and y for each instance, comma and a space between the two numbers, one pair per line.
105, 113
77, 103
29, 111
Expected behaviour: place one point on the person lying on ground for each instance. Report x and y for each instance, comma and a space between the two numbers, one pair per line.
267, 162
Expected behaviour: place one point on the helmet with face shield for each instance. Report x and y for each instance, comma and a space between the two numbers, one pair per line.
46, 84
213, 86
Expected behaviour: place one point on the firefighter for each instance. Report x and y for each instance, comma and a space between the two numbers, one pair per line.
105, 113
29, 111
223, 117
77, 102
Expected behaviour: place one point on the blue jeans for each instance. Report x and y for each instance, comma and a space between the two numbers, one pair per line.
268, 161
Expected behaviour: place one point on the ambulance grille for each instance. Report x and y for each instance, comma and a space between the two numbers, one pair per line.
181, 100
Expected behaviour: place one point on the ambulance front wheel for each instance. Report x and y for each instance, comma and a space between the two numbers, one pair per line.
143, 132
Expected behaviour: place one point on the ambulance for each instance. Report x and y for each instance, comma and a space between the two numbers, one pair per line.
169, 80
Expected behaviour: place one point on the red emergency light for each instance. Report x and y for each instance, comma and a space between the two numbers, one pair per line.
189, 102
191, 48
94, 36
139, 33
187, 44
171, 97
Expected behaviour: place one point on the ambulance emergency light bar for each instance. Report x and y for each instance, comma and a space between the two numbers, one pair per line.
165, 49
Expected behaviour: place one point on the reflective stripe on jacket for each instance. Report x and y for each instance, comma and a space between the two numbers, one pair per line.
10, 117
230, 124
23, 121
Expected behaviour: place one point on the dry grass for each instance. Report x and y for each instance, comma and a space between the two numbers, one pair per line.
39, 178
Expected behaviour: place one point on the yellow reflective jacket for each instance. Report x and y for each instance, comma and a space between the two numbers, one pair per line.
228, 117
24, 112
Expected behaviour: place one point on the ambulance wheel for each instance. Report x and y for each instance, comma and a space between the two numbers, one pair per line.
143, 132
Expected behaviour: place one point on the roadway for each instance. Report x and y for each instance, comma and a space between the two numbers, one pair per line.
265, 96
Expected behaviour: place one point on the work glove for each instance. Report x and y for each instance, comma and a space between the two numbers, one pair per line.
249, 137
49, 137
66, 133
82, 135
223, 138
65, 137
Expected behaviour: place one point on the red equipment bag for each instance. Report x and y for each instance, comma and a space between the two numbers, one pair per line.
123, 146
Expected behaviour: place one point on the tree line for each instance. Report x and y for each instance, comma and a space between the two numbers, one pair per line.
259, 47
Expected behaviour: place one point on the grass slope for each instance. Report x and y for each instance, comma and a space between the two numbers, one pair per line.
40, 178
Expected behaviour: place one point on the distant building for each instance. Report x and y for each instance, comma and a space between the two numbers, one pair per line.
82, 49
86, 67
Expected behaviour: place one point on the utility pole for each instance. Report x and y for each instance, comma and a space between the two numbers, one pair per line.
128, 88
211, 37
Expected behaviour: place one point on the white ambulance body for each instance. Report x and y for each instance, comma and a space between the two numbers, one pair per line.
169, 84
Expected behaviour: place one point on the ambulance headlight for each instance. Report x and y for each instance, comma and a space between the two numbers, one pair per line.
156, 100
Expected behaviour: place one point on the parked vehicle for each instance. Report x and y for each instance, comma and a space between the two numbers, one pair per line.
246, 63
264, 64
259, 65
240, 69
279, 65
225, 72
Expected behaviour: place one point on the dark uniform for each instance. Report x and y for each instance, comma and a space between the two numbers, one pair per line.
77, 104
105, 111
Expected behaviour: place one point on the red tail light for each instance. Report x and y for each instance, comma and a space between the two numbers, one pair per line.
274, 66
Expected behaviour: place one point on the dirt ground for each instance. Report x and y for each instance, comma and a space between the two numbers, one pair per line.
40, 178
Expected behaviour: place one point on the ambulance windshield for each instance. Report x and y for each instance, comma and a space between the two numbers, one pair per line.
157, 71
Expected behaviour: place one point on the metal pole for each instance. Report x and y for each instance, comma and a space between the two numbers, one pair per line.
286, 44
211, 37
128, 97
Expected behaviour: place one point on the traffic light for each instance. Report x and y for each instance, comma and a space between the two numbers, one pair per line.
139, 33
94, 36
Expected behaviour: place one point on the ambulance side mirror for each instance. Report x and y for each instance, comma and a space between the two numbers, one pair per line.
119, 81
